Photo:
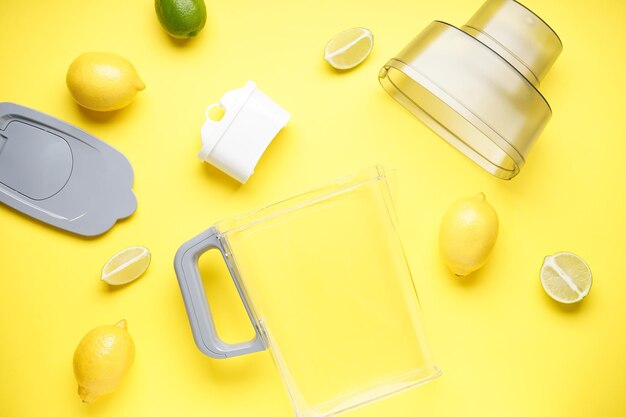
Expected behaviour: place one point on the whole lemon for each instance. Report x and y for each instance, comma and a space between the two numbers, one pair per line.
101, 360
103, 81
468, 232
181, 19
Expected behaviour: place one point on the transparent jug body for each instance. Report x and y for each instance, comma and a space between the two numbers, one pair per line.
327, 282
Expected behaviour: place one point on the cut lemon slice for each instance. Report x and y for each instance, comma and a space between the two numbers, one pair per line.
126, 265
566, 277
349, 48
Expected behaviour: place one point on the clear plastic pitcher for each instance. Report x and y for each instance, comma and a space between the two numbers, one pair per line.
328, 290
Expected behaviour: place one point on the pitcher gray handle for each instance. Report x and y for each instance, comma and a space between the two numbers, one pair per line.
198, 312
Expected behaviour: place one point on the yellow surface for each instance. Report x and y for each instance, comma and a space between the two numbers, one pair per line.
506, 349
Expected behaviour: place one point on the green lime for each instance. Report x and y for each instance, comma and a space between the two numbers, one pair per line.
181, 18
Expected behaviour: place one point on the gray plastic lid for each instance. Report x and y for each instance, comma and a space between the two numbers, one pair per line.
61, 175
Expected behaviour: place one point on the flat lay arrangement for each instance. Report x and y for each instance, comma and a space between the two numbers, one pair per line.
375, 270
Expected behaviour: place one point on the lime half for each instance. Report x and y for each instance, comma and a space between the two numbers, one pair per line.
566, 277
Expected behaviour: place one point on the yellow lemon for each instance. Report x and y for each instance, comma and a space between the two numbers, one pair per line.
101, 360
103, 81
467, 234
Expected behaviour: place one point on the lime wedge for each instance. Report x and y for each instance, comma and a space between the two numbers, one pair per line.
566, 277
126, 265
349, 48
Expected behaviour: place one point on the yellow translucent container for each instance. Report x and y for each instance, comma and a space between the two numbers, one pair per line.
477, 86
325, 282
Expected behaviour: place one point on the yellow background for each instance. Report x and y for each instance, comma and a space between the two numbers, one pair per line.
505, 348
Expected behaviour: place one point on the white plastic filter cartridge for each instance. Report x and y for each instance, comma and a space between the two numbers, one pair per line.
235, 143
